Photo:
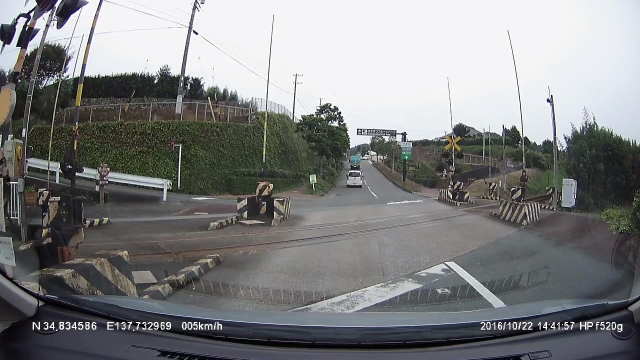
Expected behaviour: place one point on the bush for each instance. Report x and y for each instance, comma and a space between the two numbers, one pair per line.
426, 176
216, 157
619, 220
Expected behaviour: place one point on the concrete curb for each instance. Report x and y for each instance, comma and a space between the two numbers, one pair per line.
219, 224
167, 286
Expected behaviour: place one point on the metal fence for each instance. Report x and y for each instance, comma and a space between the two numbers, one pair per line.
166, 110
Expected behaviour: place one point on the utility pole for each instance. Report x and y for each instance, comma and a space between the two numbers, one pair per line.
555, 148
404, 160
519, 100
196, 6
295, 87
266, 106
490, 158
484, 132
453, 148
504, 159
320, 102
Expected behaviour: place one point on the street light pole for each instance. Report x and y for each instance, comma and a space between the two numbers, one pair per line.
184, 60
555, 147
519, 100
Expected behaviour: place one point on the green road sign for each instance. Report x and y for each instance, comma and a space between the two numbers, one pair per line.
406, 156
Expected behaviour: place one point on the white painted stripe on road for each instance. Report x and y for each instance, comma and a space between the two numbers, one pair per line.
363, 298
369, 188
488, 295
404, 202
203, 198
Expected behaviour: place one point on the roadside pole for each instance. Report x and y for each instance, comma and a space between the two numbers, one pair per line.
490, 158
295, 88
504, 159
266, 105
513, 56
483, 136
32, 85
555, 148
83, 69
180, 97
404, 159
453, 149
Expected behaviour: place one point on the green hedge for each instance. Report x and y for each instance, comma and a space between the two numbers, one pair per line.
216, 157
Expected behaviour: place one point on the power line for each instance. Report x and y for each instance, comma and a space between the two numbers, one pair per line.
105, 33
147, 13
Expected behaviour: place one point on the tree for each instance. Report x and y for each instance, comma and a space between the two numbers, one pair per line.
547, 146
603, 163
512, 136
460, 130
166, 83
51, 61
213, 92
527, 142
196, 88
326, 133
3, 77
225, 95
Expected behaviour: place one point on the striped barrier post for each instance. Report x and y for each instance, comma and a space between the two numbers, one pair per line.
491, 193
242, 208
279, 210
88, 222
264, 189
518, 213
517, 194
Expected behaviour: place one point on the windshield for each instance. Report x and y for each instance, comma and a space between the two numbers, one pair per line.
203, 155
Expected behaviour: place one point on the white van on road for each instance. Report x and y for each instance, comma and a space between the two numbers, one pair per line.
354, 178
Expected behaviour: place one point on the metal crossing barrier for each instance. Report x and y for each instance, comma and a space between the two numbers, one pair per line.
455, 195
114, 177
518, 213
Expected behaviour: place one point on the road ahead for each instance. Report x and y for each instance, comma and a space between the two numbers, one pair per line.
378, 248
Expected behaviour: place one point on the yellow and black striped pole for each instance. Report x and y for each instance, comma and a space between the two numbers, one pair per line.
79, 90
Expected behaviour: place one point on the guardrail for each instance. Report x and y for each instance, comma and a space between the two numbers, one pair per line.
114, 177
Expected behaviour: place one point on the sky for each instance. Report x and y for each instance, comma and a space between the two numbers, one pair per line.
385, 64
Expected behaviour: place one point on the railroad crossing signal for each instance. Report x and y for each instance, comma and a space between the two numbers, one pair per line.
452, 143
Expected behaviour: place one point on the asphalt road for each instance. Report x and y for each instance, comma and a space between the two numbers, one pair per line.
377, 248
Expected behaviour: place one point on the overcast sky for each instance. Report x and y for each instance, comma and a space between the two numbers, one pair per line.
385, 63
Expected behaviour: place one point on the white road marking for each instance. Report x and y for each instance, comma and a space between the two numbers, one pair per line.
203, 198
404, 202
369, 188
363, 298
200, 213
488, 295
440, 269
